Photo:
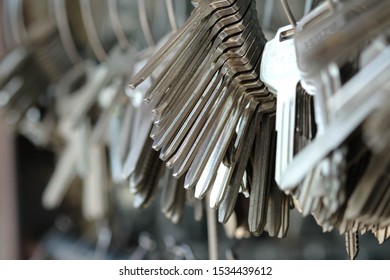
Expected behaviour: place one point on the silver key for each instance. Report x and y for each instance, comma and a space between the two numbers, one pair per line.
280, 74
353, 106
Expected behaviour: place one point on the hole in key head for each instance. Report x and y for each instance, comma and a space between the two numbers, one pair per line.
286, 35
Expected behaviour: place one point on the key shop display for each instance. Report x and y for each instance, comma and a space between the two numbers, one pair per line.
203, 129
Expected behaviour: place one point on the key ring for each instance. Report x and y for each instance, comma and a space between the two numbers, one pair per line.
145, 24
92, 34
116, 24
58, 7
289, 14
13, 24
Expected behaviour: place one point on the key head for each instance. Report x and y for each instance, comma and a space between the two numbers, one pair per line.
279, 65
311, 32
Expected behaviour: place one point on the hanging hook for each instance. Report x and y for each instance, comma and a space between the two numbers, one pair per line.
171, 14
92, 34
116, 24
62, 22
13, 23
144, 23
288, 13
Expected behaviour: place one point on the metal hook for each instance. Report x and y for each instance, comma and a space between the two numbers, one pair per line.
116, 24
145, 24
308, 6
288, 13
92, 34
61, 18
171, 14
14, 28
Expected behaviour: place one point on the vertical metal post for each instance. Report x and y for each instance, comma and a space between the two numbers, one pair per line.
9, 233
212, 231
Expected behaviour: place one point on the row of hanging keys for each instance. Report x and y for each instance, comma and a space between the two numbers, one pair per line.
313, 146
259, 127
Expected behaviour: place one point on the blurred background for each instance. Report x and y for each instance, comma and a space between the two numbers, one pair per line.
43, 43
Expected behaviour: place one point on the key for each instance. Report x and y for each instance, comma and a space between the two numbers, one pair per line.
198, 71
142, 125
202, 133
280, 74
310, 32
65, 171
204, 68
90, 166
382, 234
191, 118
357, 15
115, 66
305, 127
262, 175
144, 181
228, 203
219, 189
348, 117
322, 18
199, 161
169, 186
21, 82
193, 25
177, 174
369, 200
222, 150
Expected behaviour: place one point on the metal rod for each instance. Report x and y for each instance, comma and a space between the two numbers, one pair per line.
212, 233
9, 231
61, 17
288, 13
116, 24
145, 24
92, 35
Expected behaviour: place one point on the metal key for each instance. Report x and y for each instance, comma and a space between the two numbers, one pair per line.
348, 117
280, 74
